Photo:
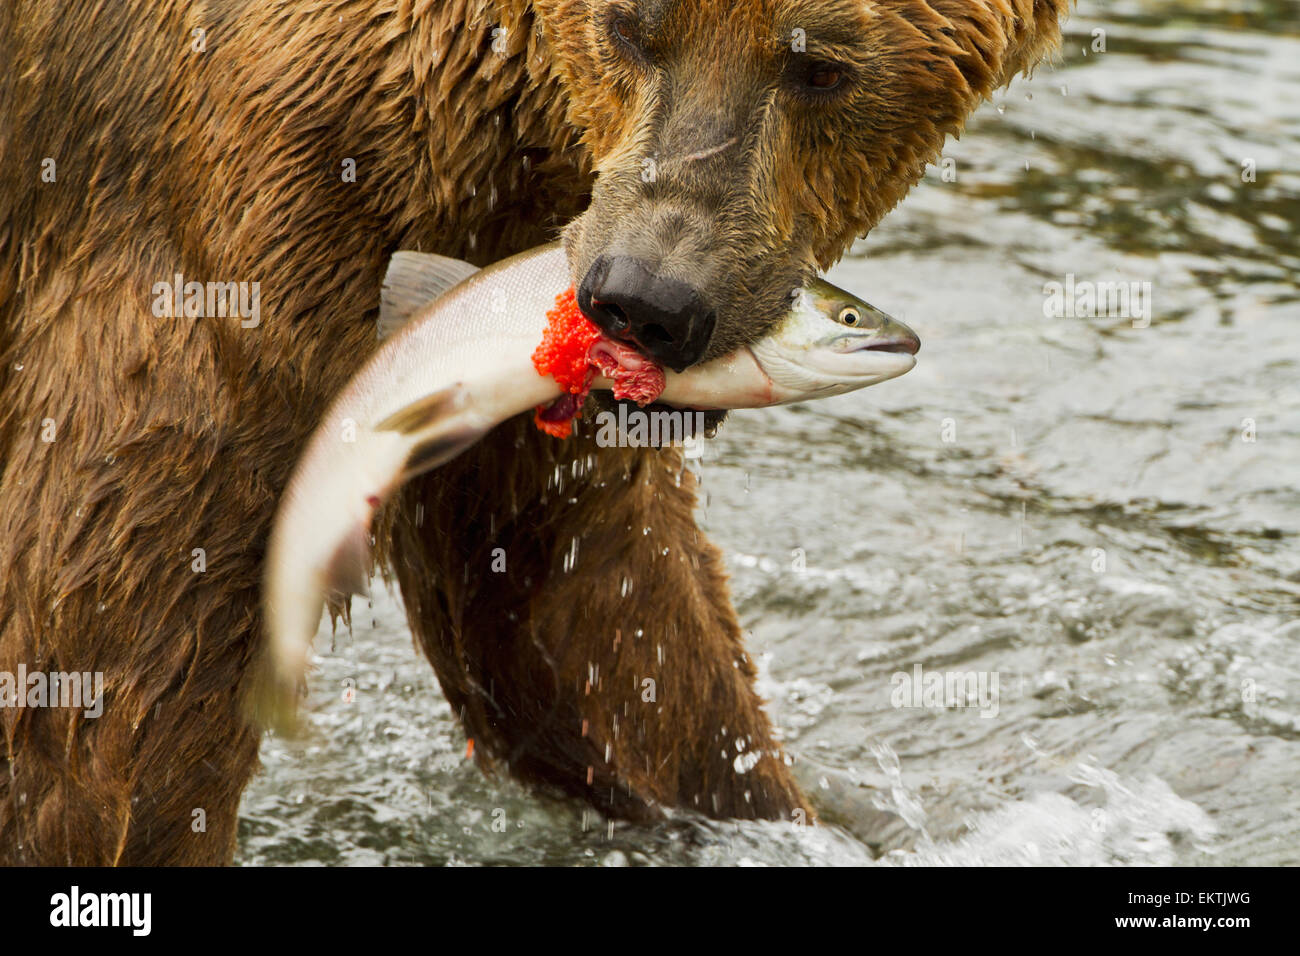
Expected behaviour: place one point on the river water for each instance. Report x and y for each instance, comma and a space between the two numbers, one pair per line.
1097, 511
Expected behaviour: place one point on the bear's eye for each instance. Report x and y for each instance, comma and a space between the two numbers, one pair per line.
626, 35
820, 78
825, 78
850, 315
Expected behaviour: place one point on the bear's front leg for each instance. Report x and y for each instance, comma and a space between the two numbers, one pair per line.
581, 627
129, 572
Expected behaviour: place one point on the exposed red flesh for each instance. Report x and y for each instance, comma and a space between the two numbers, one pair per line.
634, 375
572, 351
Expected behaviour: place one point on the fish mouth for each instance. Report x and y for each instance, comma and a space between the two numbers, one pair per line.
866, 365
892, 336
910, 347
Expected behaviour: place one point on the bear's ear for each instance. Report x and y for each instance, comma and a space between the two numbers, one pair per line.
1035, 34
999, 38
413, 281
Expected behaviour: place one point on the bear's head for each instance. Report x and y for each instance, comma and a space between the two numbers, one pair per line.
739, 145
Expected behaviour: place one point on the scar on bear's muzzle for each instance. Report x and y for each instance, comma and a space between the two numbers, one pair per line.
665, 319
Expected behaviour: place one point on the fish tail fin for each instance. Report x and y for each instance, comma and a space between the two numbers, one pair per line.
291, 621
310, 562
271, 702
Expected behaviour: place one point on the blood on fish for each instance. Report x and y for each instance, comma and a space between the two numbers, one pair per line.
572, 351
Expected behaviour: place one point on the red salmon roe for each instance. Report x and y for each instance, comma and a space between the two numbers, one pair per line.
562, 354
565, 355
566, 341
555, 429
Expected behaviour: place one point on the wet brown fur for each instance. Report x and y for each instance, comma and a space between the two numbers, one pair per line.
176, 434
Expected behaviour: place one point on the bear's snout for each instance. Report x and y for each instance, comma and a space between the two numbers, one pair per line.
664, 318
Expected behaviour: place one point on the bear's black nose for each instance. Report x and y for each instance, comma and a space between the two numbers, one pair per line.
663, 318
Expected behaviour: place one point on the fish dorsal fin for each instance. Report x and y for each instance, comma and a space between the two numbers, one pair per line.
413, 280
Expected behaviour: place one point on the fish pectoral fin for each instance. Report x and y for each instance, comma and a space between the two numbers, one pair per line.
414, 280
426, 413
439, 449
434, 429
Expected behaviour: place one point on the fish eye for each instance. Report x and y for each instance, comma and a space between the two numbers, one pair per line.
850, 316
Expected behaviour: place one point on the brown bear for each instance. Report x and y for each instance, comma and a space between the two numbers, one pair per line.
702, 158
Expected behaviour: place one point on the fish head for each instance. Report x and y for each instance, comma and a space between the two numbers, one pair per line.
833, 342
